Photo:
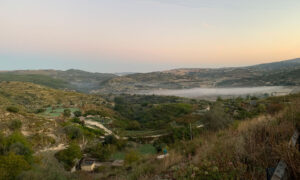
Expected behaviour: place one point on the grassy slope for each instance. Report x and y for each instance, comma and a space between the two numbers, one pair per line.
35, 78
28, 97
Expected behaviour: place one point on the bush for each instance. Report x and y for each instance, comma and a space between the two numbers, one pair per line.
133, 125
110, 139
69, 156
274, 108
73, 132
77, 113
12, 109
41, 110
131, 157
19, 145
15, 124
102, 152
12, 165
216, 118
67, 113
78, 121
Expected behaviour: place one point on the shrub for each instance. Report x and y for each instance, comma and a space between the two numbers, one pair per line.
41, 110
274, 108
133, 125
69, 156
110, 139
78, 121
131, 157
15, 124
77, 113
18, 144
67, 113
216, 118
12, 165
73, 132
102, 152
12, 109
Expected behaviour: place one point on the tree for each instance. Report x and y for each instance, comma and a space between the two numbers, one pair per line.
73, 132
110, 139
77, 113
102, 152
11, 166
67, 113
69, 156
19, 145
133, 125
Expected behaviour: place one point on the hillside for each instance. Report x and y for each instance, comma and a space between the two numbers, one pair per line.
257, 75
71, 79
48, 133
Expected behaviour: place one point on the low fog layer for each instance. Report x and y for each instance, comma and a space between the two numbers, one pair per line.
212, 92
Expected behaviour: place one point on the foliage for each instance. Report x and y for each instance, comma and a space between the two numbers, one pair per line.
40, 110
150, 115
133, 125
216, 118
67, 112
69, 156
131, 157
12, 165
274, 108
77, 113
73, 132
12, 109
94, 112
15, 124
34, 78
102, 152
18, 144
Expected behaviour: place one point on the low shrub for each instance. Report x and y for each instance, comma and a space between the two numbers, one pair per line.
12, 109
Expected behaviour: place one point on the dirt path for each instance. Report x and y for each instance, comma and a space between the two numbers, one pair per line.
56, 148
99, 125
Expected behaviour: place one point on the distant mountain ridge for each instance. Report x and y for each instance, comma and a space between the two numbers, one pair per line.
283, 73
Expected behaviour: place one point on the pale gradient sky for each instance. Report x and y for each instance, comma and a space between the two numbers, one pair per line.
146, 35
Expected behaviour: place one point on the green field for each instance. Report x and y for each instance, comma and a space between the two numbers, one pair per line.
143, 149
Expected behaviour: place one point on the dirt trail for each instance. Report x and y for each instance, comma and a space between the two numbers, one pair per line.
56, 148
99, 125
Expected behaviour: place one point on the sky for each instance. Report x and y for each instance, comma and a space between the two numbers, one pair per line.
146, 35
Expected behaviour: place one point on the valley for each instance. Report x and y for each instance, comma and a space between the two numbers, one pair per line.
207, 132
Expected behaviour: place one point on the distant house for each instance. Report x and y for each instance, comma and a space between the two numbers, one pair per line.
88, 164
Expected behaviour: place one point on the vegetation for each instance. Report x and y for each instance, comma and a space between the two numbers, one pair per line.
235, 138
15, 124
15, 155
150, 111
69, 156
12, 109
